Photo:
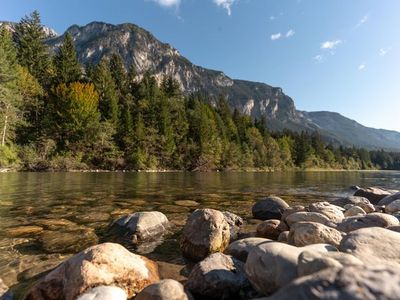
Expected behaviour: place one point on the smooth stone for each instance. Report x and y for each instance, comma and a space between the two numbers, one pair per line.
104, 293
354, 211
271, 207
373, 245
304, 216
353, 200
291, 210
167, 289
235, 223
105, 264
333, 212
206, 231
284, 237
389, 199
307, 233
271, 229
374, 194
350, 283
187, 203
218, 276
240, 249
394, 228
393, 207
23, 231
370, 220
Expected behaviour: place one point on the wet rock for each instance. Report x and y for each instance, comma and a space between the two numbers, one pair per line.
389, 199
353, 282
353, 200
187, 203
354, 211
333, 212
23, 231
206, 231
373, 245
240, 249
307, 233
92, 217
235, 223
169, 209
291, 210
307, 217
105, 264
270, 266
271, 229
312, 262
271, 207
104, 293
219, 276
284, 237
71, 241
5, 294
167, 289
374, 194
371, 220
393, 207
55, 224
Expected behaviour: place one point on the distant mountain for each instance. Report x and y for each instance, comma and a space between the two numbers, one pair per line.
141, 49
50, 33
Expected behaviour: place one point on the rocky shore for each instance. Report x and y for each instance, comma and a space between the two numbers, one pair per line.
348, 248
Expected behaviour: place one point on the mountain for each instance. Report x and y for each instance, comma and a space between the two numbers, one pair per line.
50, 32
139, 48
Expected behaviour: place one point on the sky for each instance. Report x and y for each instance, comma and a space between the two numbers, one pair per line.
335, 55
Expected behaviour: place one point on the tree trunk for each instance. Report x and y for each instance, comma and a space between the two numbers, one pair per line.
3, 139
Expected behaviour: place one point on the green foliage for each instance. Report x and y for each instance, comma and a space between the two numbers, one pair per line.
66, 65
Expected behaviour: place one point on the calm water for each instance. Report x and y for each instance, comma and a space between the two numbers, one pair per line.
46, 217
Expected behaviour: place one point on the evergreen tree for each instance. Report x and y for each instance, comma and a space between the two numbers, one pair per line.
67, 67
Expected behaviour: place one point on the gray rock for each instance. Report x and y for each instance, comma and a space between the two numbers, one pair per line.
218, 276
389, 199
354, 200
235, 223
394, 228
307, 217
333, 212
350, 283
291, 210
240, 249
271, 207
271, 229
284, 237
354, 211
371, 220
206, 231
393, 207
373, 245
374, 194
167, 289
104, 293
307, 233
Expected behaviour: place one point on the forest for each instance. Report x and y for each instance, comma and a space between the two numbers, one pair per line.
56, 114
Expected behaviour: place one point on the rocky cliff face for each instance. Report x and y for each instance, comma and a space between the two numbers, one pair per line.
141, 49
50, 32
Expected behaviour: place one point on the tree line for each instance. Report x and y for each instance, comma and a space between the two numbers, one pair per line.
56, 114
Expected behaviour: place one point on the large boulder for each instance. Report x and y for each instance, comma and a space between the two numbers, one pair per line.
206, 231
307, 233
240, 249
371, 220
271, 229
333, 212
104, 293
354, 200
167, 289
304, 216
373, 245
104, 264
389, 199
271, 207
393, 207
373, 194
219, 276
270, 266
350, 283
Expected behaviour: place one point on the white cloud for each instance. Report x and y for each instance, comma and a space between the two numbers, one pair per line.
225, 4
318, 58
330, 45
276, 36
290, 33
272, 18
384, 51
361, 67
362, 21
168, 3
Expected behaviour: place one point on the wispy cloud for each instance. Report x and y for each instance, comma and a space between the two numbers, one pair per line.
361, 67
272, 18
290, 33
384, 51
362, 21
225, 4
319, 58
276, 36
168, 3
330, 45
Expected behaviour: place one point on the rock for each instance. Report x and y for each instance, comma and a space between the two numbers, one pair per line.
206, 231
70, 241
240, 249
354, 200
394, 228
393, 207
291, 210
307, 217
187, 203
92, 217
354, 211
270, 266
104, 293
4, 291
373, 194
271, 207
23, 231
373, 245
218, 276
55, 224
312, 262
104, 264
350, 283
142, 226
367, 207
307, 233
389, 199
235, 223
167, 289
371, 220
333, 212
271, 229
284, 237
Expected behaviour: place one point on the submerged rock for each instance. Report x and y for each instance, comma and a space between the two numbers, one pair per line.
167, 289
70, 241
21, 231
271, 207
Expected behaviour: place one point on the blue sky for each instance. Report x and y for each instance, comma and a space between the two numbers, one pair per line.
337, 55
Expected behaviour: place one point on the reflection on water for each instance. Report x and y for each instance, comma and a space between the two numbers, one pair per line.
46, 217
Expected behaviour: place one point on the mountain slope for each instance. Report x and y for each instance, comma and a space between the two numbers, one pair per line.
139, 48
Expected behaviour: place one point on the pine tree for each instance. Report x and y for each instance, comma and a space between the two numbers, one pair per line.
67, 67
32, 52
